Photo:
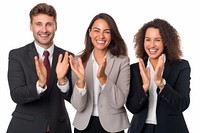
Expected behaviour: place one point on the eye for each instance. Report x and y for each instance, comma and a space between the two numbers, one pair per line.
146, 39
38, 24
95, 30
107, 32
49, 24
158, 40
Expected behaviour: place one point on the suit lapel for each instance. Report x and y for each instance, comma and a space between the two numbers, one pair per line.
89, 71
167, 69
53, 67
89, 77
110, 62
32, 53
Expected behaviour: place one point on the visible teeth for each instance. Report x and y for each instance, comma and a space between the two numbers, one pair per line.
152, 50
100, 41
43, 34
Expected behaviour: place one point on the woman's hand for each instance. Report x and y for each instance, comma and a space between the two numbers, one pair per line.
101, 71
158, 72
79, 70
145, 74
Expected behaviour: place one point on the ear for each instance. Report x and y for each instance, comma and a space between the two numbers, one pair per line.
31, 27
89, 32
56, 27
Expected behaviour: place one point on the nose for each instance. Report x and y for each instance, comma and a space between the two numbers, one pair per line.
101, 35
152, 43
44, 28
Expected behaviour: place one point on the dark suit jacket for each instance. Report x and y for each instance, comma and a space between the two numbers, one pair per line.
172, 100
33, 112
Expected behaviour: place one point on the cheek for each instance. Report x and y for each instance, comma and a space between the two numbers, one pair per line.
146, 49
161, 47
146, 46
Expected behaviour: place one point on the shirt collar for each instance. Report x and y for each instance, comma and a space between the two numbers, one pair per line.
40, 50
93, 58
149, 63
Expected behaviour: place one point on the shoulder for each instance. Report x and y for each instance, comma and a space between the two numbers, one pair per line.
182, 63
21, 50
122, 61
62, 51
134, 65
122, 58
134, 68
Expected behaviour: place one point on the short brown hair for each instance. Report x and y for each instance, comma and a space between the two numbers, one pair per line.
43, 8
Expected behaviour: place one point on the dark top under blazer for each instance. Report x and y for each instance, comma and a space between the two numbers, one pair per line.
172, 100
33, 111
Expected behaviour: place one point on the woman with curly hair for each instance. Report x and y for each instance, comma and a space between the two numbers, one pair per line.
160, 81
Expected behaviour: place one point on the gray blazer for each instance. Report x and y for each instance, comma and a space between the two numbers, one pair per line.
111, 100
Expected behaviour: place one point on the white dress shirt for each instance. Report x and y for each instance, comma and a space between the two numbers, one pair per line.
97, 87
40, 50
151, 116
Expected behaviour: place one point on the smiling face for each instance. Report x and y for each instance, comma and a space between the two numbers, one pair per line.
100, 35
43, 28
153, 44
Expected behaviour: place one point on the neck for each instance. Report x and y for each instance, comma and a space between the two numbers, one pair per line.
99, 55
153, 62
44, 45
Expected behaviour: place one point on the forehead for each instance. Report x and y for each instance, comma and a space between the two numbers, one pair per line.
101, 24
43, 18
152, 32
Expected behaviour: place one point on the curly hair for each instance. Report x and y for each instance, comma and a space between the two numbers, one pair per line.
169, 35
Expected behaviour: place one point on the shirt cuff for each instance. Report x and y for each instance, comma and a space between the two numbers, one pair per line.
64, 88
81, 91
40, 90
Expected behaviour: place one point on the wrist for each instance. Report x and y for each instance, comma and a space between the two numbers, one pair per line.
163, 83
80, 83
40, 84
62, 81
103, 80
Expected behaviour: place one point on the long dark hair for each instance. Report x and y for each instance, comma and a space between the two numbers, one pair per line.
117, 45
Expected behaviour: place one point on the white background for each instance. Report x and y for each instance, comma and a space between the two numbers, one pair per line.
73, 20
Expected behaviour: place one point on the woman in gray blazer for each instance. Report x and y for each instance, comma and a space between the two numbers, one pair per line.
102, 78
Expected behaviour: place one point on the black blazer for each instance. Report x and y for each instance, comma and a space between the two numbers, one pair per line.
33, 112
172, 100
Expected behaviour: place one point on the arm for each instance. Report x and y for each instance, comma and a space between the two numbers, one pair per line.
177, 89
138, 98
63, 72
79, 96
22, 78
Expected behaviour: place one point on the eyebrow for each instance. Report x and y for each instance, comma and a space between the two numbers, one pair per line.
154, 38
99, 28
